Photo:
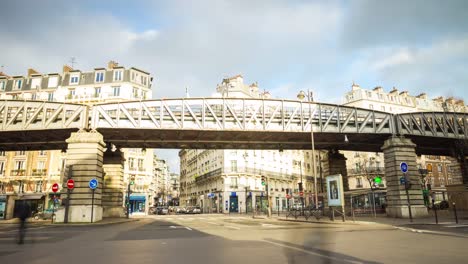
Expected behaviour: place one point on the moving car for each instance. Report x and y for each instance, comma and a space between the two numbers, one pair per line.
162, 211
44, 215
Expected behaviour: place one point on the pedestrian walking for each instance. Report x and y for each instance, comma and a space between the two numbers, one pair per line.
24, 213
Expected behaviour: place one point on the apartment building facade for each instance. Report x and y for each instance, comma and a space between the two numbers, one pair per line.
29, 175
230, 180
361, 166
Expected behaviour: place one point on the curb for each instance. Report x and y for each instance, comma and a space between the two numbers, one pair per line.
92, 224
423, 231
319, 222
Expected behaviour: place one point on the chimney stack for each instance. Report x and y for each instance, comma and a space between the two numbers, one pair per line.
32, 71
112, 64
67, 68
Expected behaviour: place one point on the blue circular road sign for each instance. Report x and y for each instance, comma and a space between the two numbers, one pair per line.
93, 184
404, 167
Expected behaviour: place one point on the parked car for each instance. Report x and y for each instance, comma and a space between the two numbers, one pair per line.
441, 205
181, 210
45, 214
162, 211
196, 210
152, 210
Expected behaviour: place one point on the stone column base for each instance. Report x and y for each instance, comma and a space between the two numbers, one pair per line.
79, 214
418, 211
115, 211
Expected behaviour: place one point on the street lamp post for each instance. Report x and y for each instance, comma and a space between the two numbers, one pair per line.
310, 99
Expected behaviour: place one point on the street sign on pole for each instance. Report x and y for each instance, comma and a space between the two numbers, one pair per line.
402, 180
93, 184
404, 167
70, 184
55, 187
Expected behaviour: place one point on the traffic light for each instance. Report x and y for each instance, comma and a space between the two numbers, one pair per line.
377, 181
287, 191
300, 186
132, 180
263, 181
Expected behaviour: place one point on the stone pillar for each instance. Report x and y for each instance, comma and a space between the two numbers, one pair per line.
335, 163
397, 150
85, 154
460, 155
113, 186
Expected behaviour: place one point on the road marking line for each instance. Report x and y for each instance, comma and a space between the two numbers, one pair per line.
312, 253
454, 226
188, 228
233, 227
213, 223
172, 227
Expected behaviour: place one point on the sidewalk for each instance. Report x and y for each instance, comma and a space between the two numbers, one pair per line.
104, 221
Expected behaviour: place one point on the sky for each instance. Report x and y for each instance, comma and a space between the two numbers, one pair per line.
285, 46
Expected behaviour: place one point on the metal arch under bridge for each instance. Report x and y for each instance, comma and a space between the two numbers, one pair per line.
225, 123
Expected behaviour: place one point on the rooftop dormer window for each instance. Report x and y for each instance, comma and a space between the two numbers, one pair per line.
118, 75
99, 77
2, 85
35, 83
18, 84
74, 79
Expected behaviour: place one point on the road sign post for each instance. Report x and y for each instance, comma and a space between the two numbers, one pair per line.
93, 184
70, 183
407, 182
55, 188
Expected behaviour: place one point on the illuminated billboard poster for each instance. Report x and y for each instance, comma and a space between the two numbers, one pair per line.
335, 190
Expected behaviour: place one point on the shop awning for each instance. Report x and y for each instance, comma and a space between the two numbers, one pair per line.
30, 196
137, 197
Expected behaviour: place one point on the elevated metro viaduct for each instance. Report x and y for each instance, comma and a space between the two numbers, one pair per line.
86, 132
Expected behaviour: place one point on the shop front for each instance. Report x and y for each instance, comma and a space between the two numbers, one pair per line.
34, 201
3, 200
137, 203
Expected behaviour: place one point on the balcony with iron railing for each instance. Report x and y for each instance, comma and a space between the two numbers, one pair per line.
367, 170
39, 172
20, 172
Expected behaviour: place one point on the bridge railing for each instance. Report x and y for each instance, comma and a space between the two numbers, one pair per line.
240, 114
36, 115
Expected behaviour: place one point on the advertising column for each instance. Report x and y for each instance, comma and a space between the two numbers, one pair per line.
335, 194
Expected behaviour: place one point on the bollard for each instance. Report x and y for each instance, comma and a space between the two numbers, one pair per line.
455, 212
435, 211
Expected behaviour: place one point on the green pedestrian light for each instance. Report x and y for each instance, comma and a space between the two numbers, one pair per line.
378, 180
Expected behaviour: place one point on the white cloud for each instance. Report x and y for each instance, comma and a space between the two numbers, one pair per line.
402, 56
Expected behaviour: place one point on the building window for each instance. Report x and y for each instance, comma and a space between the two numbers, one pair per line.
50, 97
117, 75
35, 83
18, 84
135, 92
97, 91
233, 165
133, 76
19, 165
2, 153
131, 163
371, 106
234, 182
439, 167
115, 90
381, 96
141, 166
99, 76
41, 165
33, 96
74, 80
42, 152
383, 108
20, 153
53, 81
2, 85
2, 167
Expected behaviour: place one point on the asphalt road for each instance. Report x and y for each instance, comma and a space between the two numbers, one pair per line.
224, 239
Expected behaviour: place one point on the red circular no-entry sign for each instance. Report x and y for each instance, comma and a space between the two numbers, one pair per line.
70, 184
55, 187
